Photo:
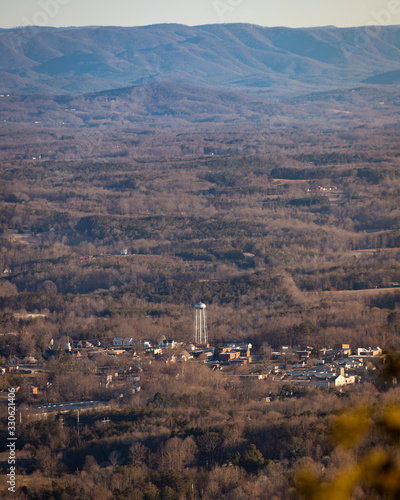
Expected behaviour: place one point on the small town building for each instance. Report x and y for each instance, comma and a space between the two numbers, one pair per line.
228, 355
128, 342
369, 352
167, 343
334, 380
342, 349
83, 344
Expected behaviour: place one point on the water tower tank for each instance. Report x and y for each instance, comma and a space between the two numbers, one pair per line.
200, 333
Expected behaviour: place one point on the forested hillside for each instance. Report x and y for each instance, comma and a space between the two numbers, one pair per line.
243, 167
260, 220
240, 56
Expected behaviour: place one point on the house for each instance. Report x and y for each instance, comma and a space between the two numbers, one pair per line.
369, 352
303, 354
337, 381
239, 345
128, 341
208, 352
345, 363
184, 356
165, 344
302, 373
83, 344
118, 342
334, 380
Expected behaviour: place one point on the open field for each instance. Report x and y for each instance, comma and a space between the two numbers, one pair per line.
360, 293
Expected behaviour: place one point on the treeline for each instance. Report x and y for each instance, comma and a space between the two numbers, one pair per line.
310, 201
301, 173
339, 158
159, 227
178, 289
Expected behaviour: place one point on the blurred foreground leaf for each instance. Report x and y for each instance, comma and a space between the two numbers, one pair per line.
377, 473
350, 427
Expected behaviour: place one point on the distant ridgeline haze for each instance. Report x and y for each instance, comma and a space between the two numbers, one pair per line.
231, 57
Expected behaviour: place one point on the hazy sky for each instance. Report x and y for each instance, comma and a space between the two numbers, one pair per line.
292, 13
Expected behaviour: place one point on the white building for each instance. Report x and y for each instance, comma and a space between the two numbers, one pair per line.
335, 381
166, 343
369, 352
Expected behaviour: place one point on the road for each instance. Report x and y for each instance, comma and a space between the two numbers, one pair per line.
69, 406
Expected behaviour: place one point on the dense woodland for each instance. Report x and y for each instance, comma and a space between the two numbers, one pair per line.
287, 227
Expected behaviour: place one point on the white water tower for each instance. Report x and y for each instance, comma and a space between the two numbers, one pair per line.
200, 324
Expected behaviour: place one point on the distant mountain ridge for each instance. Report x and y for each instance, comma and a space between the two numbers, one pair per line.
226, 56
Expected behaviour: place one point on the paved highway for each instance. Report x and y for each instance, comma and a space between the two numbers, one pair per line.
73, 405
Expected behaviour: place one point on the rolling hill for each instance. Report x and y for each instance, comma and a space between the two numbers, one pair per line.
233, 57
